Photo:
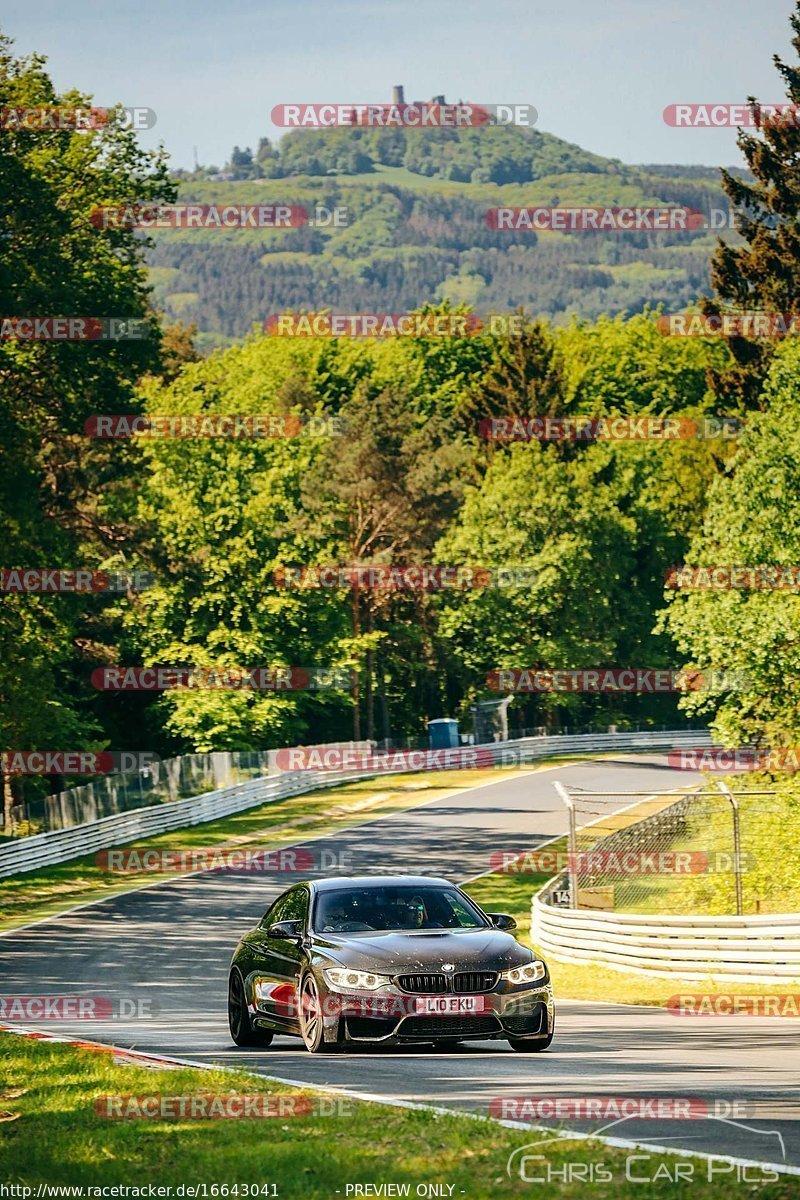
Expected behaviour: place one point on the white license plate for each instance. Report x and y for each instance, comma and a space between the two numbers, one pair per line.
447, 1006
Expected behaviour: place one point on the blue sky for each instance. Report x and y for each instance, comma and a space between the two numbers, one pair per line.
599, 73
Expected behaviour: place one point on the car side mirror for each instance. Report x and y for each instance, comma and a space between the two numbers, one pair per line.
502, 921
287, 931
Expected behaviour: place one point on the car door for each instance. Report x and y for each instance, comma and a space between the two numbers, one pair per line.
277, 961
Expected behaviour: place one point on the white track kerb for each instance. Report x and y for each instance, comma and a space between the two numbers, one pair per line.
165, 1062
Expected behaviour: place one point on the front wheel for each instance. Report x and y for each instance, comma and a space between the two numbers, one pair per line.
312, 1026
239, 1022
530, 1045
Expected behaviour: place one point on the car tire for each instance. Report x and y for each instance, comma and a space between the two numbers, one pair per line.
312, 1025
530, 1045
239, 1023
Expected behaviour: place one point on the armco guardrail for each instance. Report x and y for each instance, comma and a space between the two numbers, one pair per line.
46, 849
756, 949
160, 781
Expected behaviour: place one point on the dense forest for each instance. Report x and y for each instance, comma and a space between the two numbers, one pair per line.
387, 463
416, 230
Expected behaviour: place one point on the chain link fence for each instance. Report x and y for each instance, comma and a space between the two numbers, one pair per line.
157, 783
713, 850
160, 782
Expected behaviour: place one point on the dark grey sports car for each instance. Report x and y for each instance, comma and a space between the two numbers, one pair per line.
393, 959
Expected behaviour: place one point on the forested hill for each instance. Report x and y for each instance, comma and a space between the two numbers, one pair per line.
500, 154
416, 230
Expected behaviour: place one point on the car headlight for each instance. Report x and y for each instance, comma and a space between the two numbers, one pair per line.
343, 977
527, 974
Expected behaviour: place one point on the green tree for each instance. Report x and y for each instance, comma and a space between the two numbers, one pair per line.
524, 378
220, 516
762, 272
749, 640
384, 498
55, 483
560, 521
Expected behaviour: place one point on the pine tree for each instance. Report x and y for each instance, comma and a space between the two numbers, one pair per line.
525, 378
763, 274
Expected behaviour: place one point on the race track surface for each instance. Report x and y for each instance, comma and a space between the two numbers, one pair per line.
170, 945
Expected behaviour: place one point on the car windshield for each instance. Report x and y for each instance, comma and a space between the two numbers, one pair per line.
405, 907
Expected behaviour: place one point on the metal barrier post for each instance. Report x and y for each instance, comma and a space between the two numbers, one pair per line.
572, 847
737, 842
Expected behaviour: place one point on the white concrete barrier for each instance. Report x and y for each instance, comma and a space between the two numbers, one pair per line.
764, 948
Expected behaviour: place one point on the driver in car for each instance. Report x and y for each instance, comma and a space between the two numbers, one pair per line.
338, 920
419, 918
342, 919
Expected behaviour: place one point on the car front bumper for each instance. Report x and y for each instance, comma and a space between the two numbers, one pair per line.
519, 1013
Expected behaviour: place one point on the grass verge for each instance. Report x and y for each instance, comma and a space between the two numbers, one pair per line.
51, 1134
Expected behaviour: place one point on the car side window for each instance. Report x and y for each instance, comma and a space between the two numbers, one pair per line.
296, 906
291, 906
275, 913
460, 913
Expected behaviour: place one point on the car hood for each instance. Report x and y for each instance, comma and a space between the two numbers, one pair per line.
423, 950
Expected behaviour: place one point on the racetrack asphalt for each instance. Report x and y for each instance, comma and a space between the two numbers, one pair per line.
170, 945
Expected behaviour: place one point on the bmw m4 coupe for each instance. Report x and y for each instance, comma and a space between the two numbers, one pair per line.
400, 959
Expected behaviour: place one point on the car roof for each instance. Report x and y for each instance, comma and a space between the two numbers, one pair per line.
346, 881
